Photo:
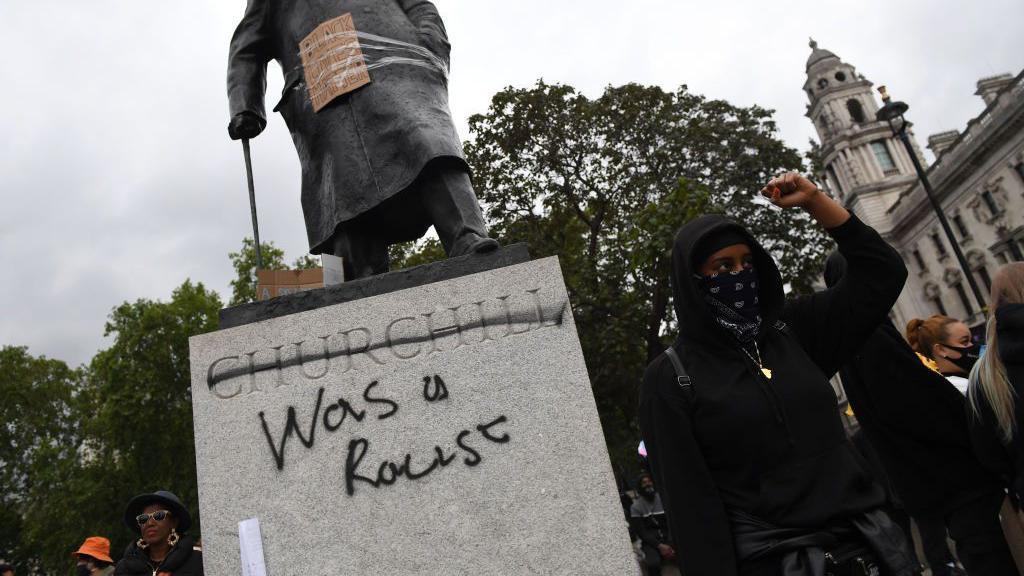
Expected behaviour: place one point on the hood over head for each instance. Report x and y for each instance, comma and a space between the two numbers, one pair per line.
696, 322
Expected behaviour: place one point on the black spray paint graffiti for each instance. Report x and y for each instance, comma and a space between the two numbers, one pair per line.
387, 473
347, 345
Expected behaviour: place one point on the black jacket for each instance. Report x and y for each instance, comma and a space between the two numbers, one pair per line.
1006, 461
183, 560
774, 449
917, 423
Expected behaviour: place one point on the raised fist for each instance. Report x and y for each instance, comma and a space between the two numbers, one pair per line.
789, 190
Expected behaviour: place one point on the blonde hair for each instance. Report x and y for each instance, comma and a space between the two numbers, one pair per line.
923, 335
988, 378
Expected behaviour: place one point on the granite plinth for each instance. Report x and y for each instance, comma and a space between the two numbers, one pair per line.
447, 428
373, 286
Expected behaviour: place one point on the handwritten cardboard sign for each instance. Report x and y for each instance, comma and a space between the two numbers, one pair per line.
442, 429
333, 61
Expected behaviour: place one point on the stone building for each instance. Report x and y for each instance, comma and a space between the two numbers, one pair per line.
978, 177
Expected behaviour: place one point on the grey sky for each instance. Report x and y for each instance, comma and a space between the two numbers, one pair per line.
118, 181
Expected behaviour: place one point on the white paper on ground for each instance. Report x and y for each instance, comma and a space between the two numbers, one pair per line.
251, 544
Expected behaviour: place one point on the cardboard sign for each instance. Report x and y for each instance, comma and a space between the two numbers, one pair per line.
333, 61
274, 283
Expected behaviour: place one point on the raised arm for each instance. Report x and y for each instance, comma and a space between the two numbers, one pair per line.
833, 324
696, 516
247, 71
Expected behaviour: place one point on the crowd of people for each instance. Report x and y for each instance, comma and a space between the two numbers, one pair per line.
755, 471
163, 548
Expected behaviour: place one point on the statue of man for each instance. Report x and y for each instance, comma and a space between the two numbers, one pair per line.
379, 164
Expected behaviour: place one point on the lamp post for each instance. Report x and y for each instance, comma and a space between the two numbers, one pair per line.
892, 113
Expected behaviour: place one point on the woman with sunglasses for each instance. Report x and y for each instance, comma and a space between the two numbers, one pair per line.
164, 548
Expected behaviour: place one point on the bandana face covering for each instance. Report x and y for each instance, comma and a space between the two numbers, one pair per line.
733, 298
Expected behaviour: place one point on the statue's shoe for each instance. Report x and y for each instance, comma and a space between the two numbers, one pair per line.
472, 243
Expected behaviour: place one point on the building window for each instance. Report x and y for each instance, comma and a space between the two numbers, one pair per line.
990, 202
939, 308
918, 259
982, 273
841, 76
822, 84
1020, 169
940, 248
961, 227
884, 158
959, 287
856, 110
1001, 258
835, 179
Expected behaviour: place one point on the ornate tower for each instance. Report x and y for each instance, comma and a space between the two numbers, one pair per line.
865, 168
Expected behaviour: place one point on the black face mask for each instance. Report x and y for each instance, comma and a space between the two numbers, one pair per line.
647, 492
83, 570
968, 356
737, 290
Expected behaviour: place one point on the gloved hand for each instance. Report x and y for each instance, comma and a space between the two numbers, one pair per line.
245, 125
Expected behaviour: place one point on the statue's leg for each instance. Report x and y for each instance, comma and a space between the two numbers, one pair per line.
447, 195
362, 254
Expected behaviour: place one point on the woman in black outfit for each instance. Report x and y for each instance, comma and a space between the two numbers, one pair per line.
917, 423
755, 471
164, 548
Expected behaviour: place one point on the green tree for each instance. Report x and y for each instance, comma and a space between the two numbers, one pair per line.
604, 184
243, 287
38, 440
136, 424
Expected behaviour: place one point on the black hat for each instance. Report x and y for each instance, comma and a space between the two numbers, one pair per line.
164, 497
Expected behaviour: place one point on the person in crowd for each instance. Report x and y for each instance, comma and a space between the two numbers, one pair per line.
997, 381
916, 422
93, 557
740, 422
6, 570
945, 344
164, 547
647, 518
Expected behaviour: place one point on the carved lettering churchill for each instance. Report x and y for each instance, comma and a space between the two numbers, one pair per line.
444, 330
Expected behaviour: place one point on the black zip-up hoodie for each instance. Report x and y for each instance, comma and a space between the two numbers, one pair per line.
774, 449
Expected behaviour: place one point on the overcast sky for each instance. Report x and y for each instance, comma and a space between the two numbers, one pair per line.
118, 180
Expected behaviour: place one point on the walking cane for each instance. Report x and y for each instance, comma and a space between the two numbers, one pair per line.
252, 204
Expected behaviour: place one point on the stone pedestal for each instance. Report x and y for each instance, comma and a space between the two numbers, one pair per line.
447, 428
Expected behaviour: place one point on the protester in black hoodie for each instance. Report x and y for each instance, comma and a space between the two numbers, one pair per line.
755, 470
164, 548
917, 423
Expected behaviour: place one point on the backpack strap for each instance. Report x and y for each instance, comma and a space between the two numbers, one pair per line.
682, 378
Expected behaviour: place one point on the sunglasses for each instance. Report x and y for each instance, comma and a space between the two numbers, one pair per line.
159, 516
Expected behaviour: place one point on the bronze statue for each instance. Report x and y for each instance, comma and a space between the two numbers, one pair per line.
379, 164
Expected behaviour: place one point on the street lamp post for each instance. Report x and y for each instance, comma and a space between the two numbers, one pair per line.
892, 113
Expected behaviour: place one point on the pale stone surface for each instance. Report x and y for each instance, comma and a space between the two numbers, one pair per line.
532, 493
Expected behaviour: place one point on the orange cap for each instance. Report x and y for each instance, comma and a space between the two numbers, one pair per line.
96, 546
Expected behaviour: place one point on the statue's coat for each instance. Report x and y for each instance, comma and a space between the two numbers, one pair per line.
366, 146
